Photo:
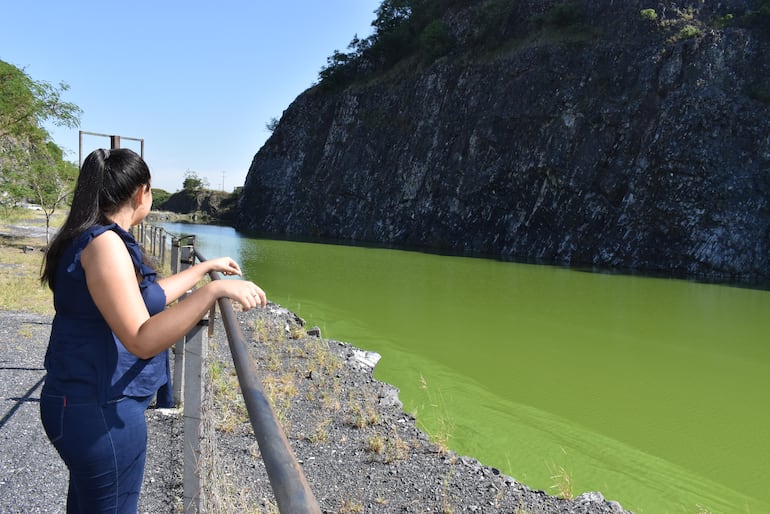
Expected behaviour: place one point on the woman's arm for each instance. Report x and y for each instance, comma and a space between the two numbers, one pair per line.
178, 284
112, 282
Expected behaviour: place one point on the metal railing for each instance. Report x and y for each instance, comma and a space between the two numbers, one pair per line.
290, 487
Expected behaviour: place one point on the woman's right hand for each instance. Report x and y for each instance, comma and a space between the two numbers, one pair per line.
225, 266
245, 292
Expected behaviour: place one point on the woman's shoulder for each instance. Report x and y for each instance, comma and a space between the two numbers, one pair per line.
113, 238
105, 236
94, 231
94, 239
105, 248
97, 230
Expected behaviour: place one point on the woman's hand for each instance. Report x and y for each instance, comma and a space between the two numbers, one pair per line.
176, 285
225, 265
247, 293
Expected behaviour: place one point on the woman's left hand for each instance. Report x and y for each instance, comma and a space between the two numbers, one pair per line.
226, 266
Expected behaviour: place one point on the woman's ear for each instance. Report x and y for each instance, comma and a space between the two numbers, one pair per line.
138, 196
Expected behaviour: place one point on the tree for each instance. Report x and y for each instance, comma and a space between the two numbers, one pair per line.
272, 125
26, 104
31, 165
50, 181
193, 183
402, 28
436, 40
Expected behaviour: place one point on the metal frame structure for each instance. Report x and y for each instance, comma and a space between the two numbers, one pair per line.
114, 143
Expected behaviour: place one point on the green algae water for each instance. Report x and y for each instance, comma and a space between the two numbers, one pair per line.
653, 391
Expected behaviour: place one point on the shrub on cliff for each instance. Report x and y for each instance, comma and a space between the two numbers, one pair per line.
402, 28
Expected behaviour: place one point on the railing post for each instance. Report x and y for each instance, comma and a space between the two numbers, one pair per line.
183, 259
163, 250
174, 264
189, 371
194, 392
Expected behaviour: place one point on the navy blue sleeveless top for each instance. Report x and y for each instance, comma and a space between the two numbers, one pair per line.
85, 359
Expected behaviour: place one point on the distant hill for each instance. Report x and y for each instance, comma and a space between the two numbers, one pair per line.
214, 206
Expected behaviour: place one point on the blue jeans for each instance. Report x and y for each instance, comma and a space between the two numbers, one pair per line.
104, 447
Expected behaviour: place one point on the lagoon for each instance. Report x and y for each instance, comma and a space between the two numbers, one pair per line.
653, 391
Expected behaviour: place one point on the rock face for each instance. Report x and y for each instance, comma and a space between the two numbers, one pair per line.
622, 141
216, 204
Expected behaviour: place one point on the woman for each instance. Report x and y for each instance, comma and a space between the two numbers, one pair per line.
106, 356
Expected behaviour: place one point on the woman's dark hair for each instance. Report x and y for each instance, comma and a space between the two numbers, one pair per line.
108, 179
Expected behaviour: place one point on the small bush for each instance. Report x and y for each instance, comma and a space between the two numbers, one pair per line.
436, 41
688, 32
728, 20
375, 443
649, 14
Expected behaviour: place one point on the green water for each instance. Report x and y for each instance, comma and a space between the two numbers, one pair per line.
654, 392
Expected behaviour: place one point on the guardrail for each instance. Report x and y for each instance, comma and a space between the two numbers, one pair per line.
291, 490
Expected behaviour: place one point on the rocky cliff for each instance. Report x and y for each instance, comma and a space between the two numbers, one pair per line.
216, 205
633, 135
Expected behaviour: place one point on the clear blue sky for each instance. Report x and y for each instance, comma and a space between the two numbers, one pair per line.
196, 80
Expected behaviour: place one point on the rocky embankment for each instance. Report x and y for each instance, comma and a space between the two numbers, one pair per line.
630, 135
359, 451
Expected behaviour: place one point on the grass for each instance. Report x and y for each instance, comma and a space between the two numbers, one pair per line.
562, 483
20, 287
396, 448
350, 506
362, 414
321, 432
446, 503
388, 449
375, 443
231, 410
21, 258
442, 433
223, 496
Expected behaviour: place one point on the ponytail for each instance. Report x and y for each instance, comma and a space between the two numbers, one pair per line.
107, 180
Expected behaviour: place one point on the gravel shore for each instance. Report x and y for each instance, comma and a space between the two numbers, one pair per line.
360, 452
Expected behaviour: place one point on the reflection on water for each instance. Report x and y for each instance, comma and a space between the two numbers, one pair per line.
653, 391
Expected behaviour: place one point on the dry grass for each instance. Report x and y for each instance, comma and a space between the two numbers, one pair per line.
231, 409
222, 494
21, 258
363, 414
350, 506
562, 483
442, 434
20, 287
